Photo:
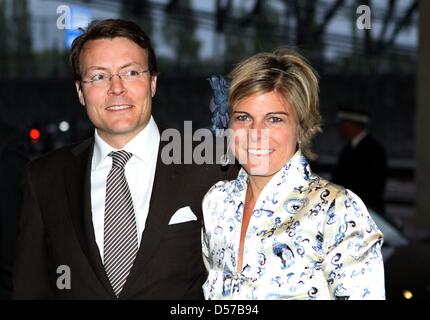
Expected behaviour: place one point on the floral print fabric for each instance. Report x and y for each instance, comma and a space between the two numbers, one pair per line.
307, 239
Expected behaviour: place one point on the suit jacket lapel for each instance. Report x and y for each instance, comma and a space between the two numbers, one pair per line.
158, 218
78, 187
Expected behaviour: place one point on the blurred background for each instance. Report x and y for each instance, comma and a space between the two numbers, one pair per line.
379, 66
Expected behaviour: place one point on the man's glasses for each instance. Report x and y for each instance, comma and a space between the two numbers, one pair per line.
103, 79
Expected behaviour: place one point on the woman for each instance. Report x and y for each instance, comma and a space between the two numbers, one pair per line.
279, 231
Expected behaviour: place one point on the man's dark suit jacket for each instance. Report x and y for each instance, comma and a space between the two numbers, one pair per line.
57, 229
363, 170
12, 165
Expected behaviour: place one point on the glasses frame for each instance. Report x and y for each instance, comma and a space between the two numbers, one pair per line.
109, 79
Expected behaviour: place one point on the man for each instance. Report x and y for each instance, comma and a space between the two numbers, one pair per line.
106, 219
12, 165
362, 164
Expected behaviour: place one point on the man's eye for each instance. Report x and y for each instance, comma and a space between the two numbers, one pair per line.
99, 77
132, 73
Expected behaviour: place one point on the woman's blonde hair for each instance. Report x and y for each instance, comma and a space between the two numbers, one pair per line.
289, 74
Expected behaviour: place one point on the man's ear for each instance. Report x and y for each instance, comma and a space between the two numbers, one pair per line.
80, 93
153, 85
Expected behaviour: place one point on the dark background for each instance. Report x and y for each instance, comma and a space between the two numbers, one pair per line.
370, 70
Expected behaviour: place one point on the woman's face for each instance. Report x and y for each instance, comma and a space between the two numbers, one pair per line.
265, 133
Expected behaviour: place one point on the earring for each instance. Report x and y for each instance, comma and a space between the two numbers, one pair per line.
299, 145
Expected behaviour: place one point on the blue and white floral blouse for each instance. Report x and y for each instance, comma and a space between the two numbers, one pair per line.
307, 239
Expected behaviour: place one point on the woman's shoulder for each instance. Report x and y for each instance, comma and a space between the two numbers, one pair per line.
317, 182
223, 186
217, 196
336, 192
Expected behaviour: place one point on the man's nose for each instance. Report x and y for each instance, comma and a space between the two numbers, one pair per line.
116, 85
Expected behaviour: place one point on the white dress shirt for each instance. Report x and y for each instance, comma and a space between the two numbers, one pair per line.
139, 171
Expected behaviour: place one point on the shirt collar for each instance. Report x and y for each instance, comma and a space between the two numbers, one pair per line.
357, 139
143, 146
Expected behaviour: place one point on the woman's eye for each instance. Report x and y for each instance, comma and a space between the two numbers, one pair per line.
242, 118
275, 119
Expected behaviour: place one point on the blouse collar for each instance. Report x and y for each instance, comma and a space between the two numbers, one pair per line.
297, 169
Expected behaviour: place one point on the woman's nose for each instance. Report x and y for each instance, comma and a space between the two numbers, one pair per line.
255, 130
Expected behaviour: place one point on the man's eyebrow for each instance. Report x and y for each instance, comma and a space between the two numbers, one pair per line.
130, 64
106, 69
96, 68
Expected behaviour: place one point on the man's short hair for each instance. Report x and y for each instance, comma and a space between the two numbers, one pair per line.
109, 29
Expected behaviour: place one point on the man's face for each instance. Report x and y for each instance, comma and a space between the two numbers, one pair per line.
347, 129
119, 109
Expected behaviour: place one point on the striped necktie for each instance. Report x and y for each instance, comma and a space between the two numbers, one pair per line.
120, 231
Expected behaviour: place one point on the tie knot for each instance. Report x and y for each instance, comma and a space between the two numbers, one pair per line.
120, 158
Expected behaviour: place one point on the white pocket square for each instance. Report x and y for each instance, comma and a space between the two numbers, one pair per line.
183, 215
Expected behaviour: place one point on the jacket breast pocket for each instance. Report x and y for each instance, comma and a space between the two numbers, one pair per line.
189, 229
183, 250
